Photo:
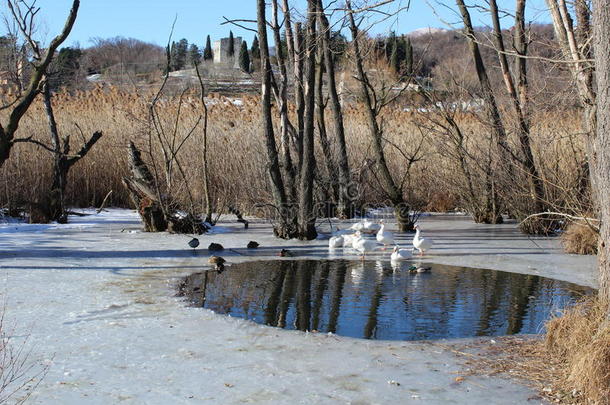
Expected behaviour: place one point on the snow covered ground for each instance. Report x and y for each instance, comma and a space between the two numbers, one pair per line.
96, 298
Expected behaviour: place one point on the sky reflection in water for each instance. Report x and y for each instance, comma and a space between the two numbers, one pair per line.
374, 300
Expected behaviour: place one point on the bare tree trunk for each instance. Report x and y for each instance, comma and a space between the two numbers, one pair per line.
391, 189
299, 101
307, 215
601, 169
345, 207
519, 99
321, 124
491, 106
285, 228
204, 153
62, 162
282, 99
289, 34
55, 204
581, 69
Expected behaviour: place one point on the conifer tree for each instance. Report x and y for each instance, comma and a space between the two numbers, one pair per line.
408, 57
254, 50
244, 58
390, 43
395, 57
231, 47
207, 52
194, 55
178, 54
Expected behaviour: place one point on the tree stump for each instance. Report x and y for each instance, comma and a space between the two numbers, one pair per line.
158, 215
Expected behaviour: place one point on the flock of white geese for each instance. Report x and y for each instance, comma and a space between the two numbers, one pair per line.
354, 238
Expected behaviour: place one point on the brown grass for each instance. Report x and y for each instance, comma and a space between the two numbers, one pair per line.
579, 238
570, 364
580, 339
236, 151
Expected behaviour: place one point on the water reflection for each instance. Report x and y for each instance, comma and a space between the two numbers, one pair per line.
379, 300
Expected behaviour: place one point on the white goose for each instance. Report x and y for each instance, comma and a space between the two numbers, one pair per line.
348, 240
335, 242
370, 226
358, 227
399, 255
385, 237
421, 244
363, 245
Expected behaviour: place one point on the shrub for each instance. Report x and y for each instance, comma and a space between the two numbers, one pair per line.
580, 238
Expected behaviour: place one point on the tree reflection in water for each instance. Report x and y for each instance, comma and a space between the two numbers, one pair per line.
373, 300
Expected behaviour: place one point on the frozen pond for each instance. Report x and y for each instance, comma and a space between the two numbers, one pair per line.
375, 300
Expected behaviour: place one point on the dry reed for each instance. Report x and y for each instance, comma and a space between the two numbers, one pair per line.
580, 339
236, 154
570, 364
579, 238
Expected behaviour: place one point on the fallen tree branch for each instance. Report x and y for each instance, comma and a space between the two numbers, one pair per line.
563, 214
101, 208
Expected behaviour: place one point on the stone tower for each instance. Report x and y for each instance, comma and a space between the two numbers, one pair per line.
221, 51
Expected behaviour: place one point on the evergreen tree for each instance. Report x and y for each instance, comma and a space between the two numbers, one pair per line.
338, 44
395, 57
255, 50
65, 67
207, 53
194, 55
178, 54
172, 56
231, 47
389, 45
408, 57
244, 58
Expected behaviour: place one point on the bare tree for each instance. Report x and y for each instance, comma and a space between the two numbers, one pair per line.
519, 97
281, 95
25, 18
307, 216
154, 190
52, 209
286, 227
63, 161
295, 209
373, 106
493, 214
575, 46
345, 204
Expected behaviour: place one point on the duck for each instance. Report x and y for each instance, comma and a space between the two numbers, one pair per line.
419, 269
218, 263
336, 242
400, 254
421, 244
215, 247
363, 245
194, 243
399, 266
385, 237
285, 253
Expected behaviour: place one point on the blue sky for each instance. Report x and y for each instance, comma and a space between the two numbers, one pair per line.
151, 20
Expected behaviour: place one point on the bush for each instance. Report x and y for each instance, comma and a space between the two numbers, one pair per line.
580, 238
580, 339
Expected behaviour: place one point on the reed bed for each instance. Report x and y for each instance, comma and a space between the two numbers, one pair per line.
237, 159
